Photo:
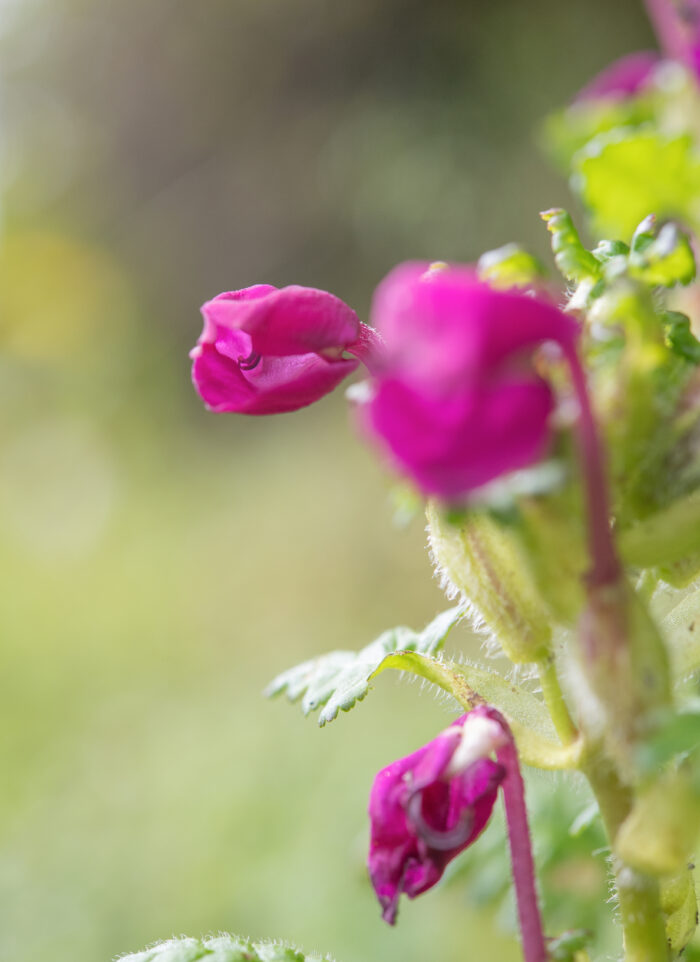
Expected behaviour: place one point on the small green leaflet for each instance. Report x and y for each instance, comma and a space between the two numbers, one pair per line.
336, 681
224, 948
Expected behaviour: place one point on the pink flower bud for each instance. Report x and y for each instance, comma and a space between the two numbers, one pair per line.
427, 808
456, 401
266, 351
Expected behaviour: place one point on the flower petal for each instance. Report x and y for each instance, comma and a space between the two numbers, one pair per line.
453, 445
288, 321
274, 386
401, 856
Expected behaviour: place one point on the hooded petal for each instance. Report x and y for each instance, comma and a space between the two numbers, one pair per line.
288, 321
421, 818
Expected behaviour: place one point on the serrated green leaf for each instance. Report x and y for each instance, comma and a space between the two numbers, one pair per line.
624, 175
223, 948
336, 681
472, 684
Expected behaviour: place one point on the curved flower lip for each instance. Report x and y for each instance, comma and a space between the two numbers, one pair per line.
422, 815
284, 321
623, 78
265, 350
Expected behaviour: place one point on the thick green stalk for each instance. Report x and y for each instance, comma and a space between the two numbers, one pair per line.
642, 919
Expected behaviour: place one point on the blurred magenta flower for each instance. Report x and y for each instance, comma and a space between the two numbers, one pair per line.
265, 350
622, 78
455, 399
677, 25
428, 807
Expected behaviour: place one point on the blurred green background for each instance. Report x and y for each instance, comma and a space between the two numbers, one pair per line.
160, 564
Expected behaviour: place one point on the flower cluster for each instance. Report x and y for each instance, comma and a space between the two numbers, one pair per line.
454, 398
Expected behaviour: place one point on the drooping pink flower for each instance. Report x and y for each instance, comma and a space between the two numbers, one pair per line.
428, 807
266, 350
622, 78
455, 399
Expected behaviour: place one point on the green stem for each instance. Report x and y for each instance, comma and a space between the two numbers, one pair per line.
643, 930
554, 700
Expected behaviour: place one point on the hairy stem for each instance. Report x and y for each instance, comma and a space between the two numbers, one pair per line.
643, 930
522, 862
554, 700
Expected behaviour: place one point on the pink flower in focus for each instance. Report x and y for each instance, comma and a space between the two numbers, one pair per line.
455, 400
265, 350
623, 78
427, 808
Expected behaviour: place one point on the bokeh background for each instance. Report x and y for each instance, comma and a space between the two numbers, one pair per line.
160, 564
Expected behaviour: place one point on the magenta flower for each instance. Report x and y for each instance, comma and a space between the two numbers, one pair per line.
427, 808
677, 25
623, 78
265, 350
456, 400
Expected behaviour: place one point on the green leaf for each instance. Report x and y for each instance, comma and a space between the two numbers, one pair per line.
679, 905
336, 681
224, 948
510, 266
663, 258
678, 616
567, 131
678, 735
664, 537
471, 684
679, 337
624, 175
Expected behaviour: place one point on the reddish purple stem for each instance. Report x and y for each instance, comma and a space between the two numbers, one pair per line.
522, 862
605, 562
